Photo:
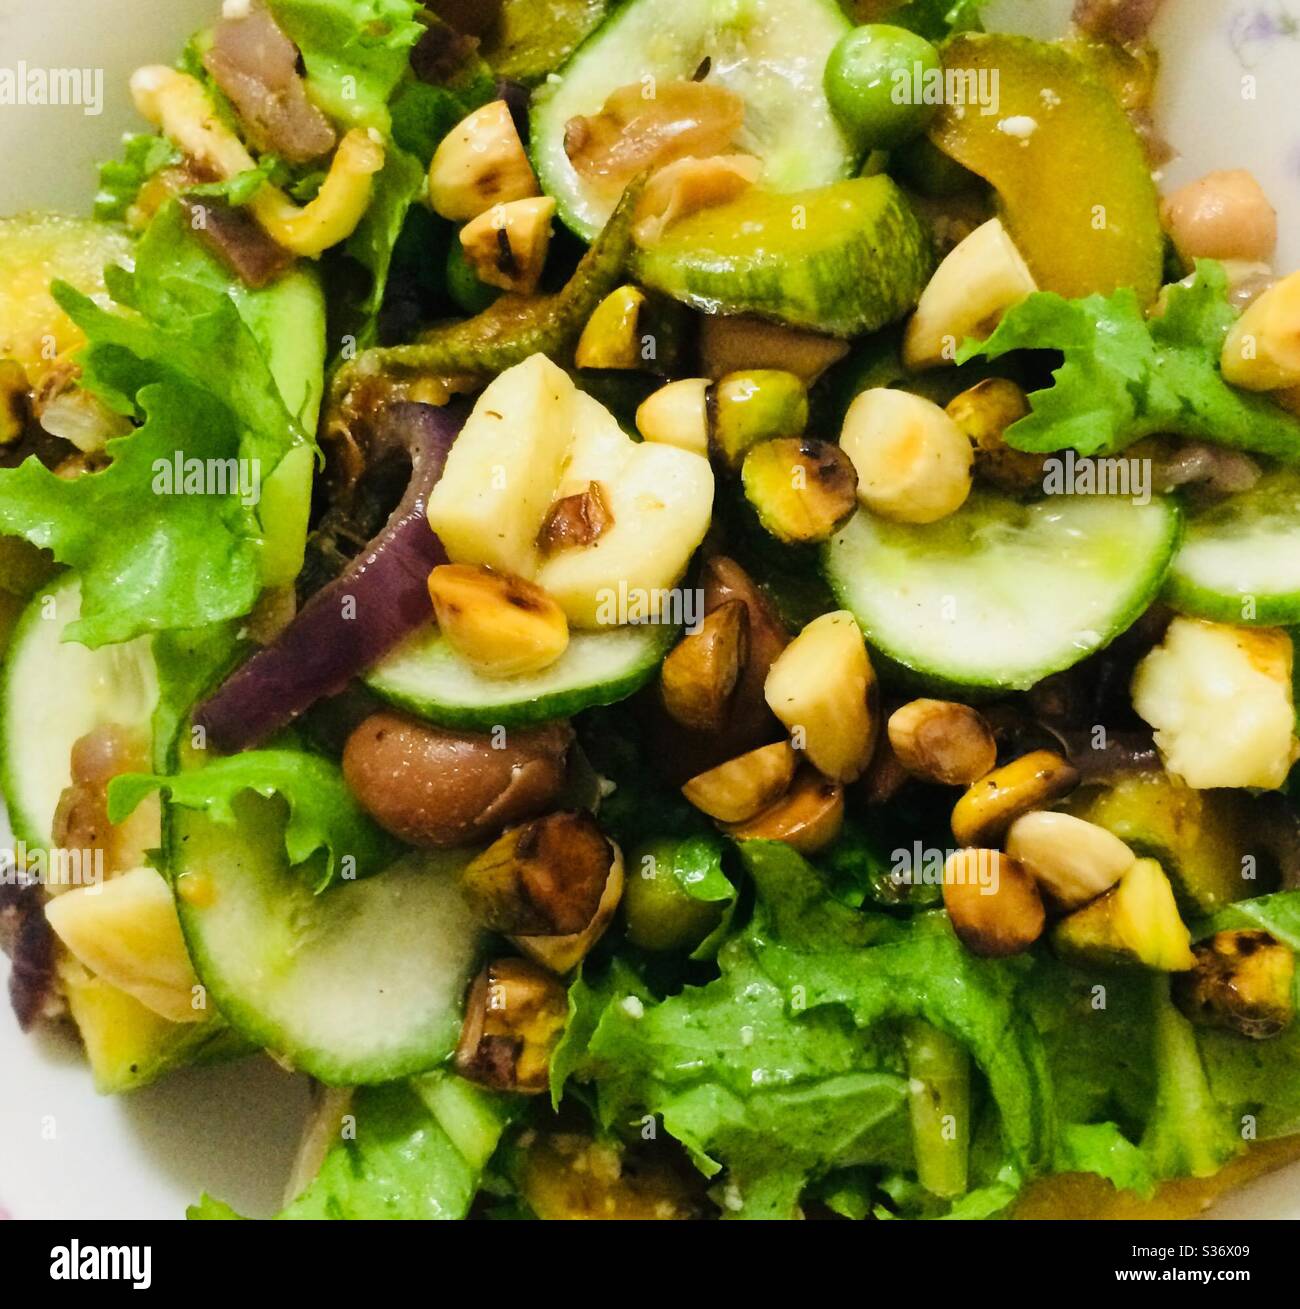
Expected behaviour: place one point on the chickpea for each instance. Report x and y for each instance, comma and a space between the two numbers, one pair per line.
1223, 215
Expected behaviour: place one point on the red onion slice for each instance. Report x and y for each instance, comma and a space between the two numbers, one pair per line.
379, 598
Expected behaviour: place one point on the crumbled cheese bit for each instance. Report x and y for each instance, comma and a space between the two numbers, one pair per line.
746, 1035
632, 1007
375, 135
731, 1198
1020, 126
1049, 97
607, 786
236, 8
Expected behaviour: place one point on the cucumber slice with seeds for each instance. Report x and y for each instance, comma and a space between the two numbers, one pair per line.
1000, 594
427, 678
363, 983
772, 53
1240, 560
53, 693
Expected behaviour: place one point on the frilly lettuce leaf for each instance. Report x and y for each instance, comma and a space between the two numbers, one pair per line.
323, 816
1126, 376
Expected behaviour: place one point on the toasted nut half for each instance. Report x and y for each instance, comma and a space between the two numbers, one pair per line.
823, 688
730, 343
1262, 351
993, 903
802, 489
480, 162
1243, 981
507, 245
992, 804
755, 406
434, 787
561, 954
677, 414
501, 624
514, 1017
984, 412
577, 520
808, 817
942, 741
612, 336
701, 672
1072, 860
913, 461
740, 788
544, 878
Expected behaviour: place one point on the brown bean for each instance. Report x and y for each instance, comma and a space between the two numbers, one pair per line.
435, 787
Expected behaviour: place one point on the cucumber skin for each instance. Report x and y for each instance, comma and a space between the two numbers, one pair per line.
896, 670
845, 290
537, 116
24, 828
531, 712
1193, 601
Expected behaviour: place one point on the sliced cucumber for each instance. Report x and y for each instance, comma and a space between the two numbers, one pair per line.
426, 677
1240, 560
56, 691
1000, 594
844, 259
771, 53
360, 984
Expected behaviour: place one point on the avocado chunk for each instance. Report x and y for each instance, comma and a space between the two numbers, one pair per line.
1243, 982
1068, 167
1203, 839
1134, 925
844, 259
128, 1046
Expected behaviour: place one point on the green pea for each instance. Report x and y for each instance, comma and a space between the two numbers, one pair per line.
466, 291
658, 912
871, 81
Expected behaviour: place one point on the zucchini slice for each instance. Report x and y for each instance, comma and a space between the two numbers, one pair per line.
1240, 560
427, 678
771, 53
363, 983
1001, 594
53, 693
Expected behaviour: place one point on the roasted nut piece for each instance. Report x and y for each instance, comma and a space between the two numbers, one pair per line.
992, 804
1243, 982
507, 245
984, 412
807, 818
433, 787
740, 788
1134, 925
1223, 215
755, 406
1262, 350
14, 400
612, 336
659, 913
993, 903
566, 1176
700, 674
677, 414
823, 688
575, 521
544, 878
1072, 860
941, 741
481, 162
514, 1017
686, 186
802, 489
500, 624
561, 954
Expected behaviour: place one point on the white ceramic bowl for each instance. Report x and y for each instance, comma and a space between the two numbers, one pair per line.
64, 1152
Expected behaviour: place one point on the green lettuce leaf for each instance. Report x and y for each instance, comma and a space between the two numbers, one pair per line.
323, 816
355, 52
414, 1150
147, 561
1126, 376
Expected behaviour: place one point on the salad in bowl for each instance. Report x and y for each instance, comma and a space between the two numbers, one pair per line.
688, 607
